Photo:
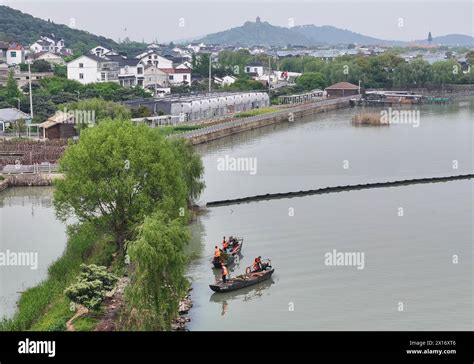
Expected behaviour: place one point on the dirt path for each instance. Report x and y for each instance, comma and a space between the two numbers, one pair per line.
113, 304
81, 310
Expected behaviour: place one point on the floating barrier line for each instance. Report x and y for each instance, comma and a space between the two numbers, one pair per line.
320, 191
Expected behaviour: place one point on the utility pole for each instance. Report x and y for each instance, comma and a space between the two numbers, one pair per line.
269, 75
210, 55
31, 94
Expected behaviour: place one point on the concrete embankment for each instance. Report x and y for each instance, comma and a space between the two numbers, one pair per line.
207, 134
28, 180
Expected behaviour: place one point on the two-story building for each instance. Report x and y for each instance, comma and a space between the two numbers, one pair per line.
42, 46
154, 78
50, 43
178, 76
16, 54
90, 68
153, 57
131, 70
256, 69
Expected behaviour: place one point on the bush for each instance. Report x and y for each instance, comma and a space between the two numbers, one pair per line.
367, 119
92, 284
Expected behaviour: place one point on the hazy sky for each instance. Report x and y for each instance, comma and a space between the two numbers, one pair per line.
184, 19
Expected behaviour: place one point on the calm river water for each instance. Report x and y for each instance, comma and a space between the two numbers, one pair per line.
27, 226
416, 240
417, 272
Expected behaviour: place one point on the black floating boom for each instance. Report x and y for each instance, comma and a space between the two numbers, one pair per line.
320, 191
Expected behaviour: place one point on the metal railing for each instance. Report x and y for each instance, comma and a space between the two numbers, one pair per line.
30, 168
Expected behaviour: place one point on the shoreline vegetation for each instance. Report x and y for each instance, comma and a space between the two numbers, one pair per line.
130, 189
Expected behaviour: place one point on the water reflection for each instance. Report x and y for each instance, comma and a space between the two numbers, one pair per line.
27, 196
245, 294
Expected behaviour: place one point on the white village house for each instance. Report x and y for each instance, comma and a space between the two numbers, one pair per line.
256, 69
152, 57
49, 57
42, 46
90, 68
50, 43
178, 76
16, 54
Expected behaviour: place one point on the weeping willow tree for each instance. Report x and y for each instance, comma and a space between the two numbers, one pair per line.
158, 281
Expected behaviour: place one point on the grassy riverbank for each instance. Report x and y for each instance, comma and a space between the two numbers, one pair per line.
44, 307
254, 112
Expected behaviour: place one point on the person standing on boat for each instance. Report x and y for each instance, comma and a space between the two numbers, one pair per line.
217, 252
225, 273
225, 246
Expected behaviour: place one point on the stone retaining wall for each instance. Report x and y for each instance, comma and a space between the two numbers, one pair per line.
212, 133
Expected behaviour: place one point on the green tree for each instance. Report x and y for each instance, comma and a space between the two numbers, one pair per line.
60, 70
158, 281
446, 72
41, 66
311, 81
245, 85
192, 167
20, 126
141, 112
102, 109
117, 174
12, 90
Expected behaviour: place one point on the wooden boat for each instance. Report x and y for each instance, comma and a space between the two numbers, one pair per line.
242, 281
228, 258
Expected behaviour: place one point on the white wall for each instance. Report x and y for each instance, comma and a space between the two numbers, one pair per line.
89, 70
156, 60
51, 58
256, 69
19, 56
179, 78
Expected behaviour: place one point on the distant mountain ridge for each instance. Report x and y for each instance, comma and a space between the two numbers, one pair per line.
265, 34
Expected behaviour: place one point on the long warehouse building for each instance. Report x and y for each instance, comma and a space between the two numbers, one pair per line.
197, 107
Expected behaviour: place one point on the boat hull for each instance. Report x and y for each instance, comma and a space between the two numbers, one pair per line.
237, 283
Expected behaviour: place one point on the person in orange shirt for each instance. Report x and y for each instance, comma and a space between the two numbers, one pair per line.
217, 252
